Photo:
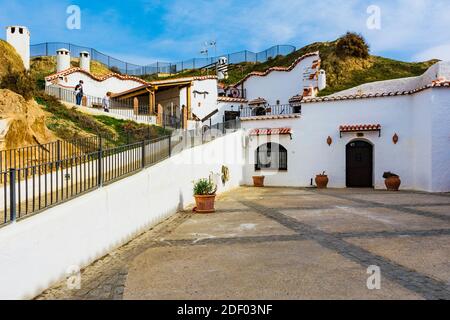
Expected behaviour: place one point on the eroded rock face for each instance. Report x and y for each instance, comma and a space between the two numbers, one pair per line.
22, 123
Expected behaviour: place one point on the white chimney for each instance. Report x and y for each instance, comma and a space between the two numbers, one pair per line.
222, 68
62, 60
85, 61
322, 80
19, 38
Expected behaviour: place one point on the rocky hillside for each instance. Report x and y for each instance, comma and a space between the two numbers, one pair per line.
22, 122
9, 59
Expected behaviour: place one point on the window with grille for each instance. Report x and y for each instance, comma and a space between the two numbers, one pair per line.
271, 156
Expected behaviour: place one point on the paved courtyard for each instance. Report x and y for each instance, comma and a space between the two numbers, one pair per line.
284, 243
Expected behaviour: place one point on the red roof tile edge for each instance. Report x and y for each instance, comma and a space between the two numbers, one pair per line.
284, 69
268, 132
434, 84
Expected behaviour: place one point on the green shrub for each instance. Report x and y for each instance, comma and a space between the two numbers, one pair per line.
352, 44
115, 70
20, 82
204, 187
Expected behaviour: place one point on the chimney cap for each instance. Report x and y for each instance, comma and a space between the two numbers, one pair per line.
19, 27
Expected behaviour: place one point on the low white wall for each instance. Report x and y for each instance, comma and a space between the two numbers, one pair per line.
37, 252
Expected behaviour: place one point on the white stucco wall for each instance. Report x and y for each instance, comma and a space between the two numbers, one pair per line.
421, 157
440, 139
203, 105
37, 252
280, 85
98, 88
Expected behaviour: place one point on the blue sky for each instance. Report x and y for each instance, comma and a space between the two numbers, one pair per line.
143, 31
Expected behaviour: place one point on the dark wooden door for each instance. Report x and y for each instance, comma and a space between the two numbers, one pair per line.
359, 165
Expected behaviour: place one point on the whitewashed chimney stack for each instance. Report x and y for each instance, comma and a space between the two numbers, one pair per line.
85, 61
19, 38
62, 59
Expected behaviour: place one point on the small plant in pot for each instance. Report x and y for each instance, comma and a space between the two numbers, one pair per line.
258, 181
322, 181
205, 196
392, 181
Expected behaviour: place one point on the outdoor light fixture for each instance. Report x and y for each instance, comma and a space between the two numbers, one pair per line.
329, 141
395, 139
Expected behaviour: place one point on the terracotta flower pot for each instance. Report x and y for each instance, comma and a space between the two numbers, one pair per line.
393, 183
258, 181
322, 181
205, 204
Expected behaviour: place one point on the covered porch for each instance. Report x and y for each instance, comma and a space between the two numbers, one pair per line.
168, 100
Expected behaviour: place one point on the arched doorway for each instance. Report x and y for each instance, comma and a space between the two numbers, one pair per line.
359, 165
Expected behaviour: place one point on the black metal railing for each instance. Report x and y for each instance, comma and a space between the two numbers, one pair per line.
36, 187
49, 49
270, 110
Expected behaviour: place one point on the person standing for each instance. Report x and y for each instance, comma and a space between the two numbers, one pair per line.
106, 102
79, 93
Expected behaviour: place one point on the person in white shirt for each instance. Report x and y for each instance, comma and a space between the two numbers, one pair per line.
106, 102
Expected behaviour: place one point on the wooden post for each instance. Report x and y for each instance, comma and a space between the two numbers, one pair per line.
159, 119
84, 101
188, 98
185, 117
136, 106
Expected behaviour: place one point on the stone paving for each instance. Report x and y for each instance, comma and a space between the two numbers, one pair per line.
284, 243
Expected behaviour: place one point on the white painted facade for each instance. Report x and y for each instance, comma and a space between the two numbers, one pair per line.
203, 97
280, 86
421, 157
93, 86
19, 38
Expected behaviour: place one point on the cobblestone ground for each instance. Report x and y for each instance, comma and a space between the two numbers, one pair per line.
284, 243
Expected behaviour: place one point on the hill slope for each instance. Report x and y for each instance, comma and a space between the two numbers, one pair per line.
10, 60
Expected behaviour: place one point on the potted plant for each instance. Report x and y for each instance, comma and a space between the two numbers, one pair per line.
258, 181
205, 196
322, 181
392, 181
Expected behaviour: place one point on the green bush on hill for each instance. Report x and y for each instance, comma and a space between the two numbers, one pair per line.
353, 45
19, 82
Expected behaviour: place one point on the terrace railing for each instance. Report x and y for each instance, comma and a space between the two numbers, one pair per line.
269, 110
125, 108
49, 49
31, 189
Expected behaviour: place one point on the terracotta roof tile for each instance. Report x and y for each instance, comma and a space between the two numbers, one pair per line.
102, 78
360, 127
257, 101
269, 132
231, 99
